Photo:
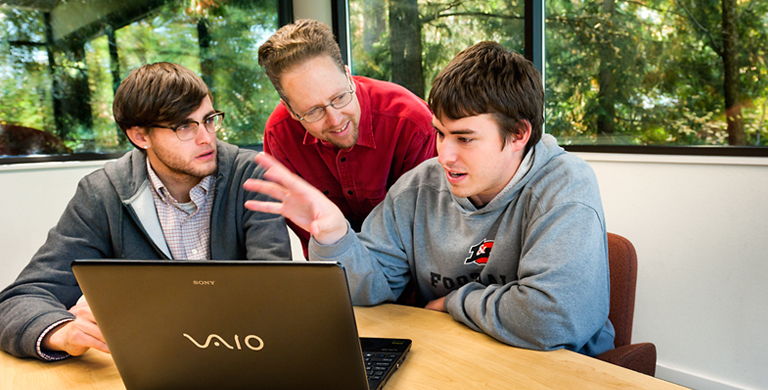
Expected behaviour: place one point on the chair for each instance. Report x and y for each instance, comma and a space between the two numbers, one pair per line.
622, 261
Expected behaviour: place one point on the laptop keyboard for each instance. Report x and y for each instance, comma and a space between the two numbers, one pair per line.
378, 364
382, 356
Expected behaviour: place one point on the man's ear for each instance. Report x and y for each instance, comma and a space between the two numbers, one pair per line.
290, 111
520, 139
138, 135
349, 77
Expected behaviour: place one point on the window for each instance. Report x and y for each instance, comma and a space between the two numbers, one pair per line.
657, 72
412, 48
60, 63
619, 73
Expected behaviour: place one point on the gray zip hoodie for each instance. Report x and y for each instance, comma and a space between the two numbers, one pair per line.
112, 215
540, 281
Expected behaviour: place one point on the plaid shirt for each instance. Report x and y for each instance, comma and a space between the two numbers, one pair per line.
186, 226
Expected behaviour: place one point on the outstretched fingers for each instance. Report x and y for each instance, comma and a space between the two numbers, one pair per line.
265, 187
297, 200
277, 173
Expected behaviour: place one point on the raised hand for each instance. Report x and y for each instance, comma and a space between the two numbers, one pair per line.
298, 201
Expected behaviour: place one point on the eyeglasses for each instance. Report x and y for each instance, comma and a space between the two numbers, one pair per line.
188, 131
338, 103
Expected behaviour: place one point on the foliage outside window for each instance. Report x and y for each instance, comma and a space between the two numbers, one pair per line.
657, 72
651, 72
61, 61
413, 47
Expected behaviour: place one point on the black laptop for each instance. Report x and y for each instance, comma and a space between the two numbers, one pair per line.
235, 324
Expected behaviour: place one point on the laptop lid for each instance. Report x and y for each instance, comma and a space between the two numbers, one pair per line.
240, 324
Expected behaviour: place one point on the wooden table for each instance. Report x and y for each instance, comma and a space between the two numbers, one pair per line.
445, 355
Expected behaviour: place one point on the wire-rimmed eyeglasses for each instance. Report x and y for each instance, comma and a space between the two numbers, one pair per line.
188, 131
338, 103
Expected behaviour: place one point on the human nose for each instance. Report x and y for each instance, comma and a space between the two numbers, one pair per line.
446, 154
333, 115
204, 136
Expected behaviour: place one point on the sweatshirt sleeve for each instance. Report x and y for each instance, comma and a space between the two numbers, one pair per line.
46, 287
377, 259
561, 297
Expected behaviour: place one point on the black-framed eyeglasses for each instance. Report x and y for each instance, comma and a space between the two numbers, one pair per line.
188, 131
338, 103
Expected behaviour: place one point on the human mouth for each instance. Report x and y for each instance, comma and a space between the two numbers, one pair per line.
207, 155
454, 177
339, 131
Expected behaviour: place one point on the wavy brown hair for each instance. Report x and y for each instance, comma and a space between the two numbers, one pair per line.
294, 44
155, 93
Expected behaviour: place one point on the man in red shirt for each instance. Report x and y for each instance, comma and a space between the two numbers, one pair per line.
351, 137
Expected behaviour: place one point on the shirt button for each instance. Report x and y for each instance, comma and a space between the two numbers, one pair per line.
326, 192
350, 192
194, 251
343, 159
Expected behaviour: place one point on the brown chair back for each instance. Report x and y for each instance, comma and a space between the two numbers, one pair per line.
623, 266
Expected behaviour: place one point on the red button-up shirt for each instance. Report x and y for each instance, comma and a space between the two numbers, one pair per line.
395, 135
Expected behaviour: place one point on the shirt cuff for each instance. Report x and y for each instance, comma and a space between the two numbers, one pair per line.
51, 356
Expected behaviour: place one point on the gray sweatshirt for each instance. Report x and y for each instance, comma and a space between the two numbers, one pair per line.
540, 281
112, 215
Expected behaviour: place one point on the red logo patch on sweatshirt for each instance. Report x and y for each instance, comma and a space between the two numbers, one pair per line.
479, 253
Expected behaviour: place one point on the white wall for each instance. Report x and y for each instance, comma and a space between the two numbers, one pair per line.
32, 198
700, 228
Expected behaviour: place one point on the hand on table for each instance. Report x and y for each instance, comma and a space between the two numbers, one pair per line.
76, 337
437, 304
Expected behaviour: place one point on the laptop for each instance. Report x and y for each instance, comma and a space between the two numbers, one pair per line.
234, 324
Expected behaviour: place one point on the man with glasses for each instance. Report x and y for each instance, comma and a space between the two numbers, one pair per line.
351, 137
177, 195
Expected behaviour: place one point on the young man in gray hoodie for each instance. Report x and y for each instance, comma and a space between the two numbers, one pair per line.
504, 230
178, 195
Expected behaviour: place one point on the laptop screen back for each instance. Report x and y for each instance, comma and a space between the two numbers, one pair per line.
202, 325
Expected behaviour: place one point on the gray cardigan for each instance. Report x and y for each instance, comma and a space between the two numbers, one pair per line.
112, 215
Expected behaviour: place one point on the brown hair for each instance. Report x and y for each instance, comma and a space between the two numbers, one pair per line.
294, 44
159, 92
489, 79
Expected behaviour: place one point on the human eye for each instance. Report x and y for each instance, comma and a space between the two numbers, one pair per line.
340, 98
186, 129
313, 112
439, 133
465, 140
183, 128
